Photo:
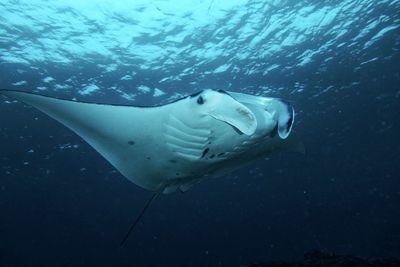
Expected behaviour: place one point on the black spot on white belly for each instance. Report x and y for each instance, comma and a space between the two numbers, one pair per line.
131, 142
205, 151
289, 123
274, 132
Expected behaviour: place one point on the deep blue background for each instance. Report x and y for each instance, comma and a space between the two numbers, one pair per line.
69, 207
342, 196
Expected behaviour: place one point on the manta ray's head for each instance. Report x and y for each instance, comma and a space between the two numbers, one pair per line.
273, 114
283, 114
221, 106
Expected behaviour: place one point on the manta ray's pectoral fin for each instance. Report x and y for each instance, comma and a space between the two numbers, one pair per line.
118, 133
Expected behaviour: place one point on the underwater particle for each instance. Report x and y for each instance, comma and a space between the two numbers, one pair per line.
67, 146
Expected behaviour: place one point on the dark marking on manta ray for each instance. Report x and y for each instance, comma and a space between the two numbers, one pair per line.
205, 151
200, 100
289, 123
149, 158
237, 130
212, 156
131, 143
273, 133
172, 161
221, 154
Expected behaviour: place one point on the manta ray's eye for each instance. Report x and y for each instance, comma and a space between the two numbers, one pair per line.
200, 100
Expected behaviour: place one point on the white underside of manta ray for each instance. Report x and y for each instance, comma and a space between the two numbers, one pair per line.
174, 146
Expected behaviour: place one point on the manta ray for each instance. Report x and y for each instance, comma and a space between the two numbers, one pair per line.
172, 147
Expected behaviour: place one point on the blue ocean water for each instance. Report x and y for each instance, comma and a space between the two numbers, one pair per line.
336, 62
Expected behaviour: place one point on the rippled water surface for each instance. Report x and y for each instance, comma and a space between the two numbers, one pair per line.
336, 62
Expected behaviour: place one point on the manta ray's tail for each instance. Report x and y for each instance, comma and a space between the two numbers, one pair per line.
139, 217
